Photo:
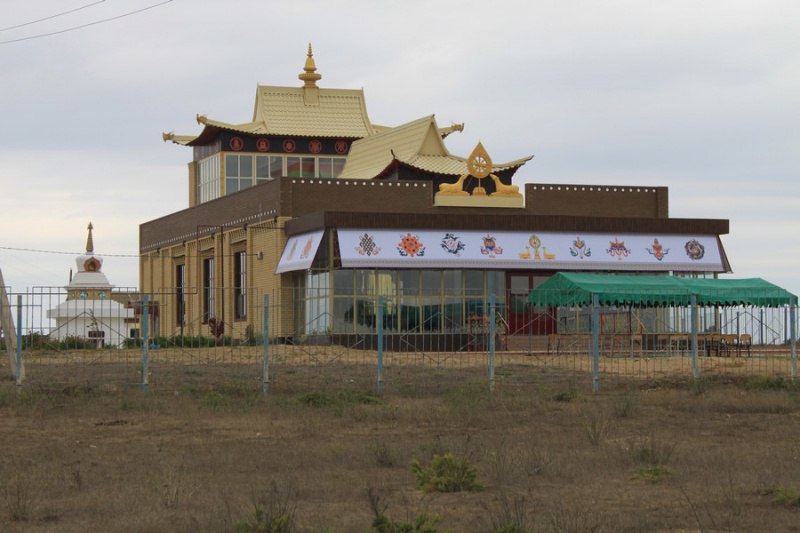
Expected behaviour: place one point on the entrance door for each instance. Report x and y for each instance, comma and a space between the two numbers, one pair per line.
523, 318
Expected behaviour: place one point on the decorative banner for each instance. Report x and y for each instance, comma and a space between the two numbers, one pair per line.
408, 248
299, 252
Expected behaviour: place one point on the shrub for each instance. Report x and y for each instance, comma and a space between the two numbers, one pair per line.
596, 426
509, 516
446, 473
423, 523
38, 341
651, 451
785, 496
566, 396
273, 512
385, 455
624, 406
71, 342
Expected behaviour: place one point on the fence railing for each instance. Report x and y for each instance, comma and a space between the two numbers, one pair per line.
295, 339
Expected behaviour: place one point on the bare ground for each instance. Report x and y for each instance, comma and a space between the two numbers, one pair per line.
647, 453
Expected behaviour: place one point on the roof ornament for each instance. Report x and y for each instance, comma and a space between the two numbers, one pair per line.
89, 241
310, 76
480, 166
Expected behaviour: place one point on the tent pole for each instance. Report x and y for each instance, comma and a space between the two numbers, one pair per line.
693, 303
596, 342
793, 339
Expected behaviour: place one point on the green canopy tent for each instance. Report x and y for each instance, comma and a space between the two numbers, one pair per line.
573, 289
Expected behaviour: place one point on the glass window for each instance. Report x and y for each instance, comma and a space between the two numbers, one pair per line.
275, 166
408, 295
330, 167
473, 282
240, 285
208, 180
431, 300
232, 165
386, 286
180, 286
343, 315
245, 166
338, 166
317, 291
268, 167
451, 281
409, 282
343, 282
453, 315
238, 172
208, 289
365, 282
300, 167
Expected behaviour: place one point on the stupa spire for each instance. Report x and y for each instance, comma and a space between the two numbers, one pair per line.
310, 76
89, 241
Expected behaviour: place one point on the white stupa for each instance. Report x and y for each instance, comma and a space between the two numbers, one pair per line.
89, 311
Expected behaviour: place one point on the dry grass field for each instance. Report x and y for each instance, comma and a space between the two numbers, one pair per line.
323, 453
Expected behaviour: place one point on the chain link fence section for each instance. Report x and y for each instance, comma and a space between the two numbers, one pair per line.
301, 341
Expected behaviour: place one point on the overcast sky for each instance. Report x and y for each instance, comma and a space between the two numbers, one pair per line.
702, 97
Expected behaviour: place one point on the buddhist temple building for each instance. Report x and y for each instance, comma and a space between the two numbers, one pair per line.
90, 311
324, 211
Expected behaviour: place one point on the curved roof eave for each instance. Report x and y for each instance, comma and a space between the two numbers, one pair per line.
425, 163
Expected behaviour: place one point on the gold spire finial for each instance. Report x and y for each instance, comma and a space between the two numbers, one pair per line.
89, 242
310, 76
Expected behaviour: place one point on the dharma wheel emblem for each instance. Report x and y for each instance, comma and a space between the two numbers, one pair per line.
479, 166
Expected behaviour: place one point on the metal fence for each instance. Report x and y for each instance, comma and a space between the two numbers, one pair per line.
301, 340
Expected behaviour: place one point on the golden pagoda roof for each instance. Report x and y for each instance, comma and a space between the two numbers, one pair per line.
307, 111
287, 111
417, 144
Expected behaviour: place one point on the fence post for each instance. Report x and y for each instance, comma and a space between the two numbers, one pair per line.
18, 375
492, 306
793, 339
595, 342
379, 323
265, 362
693, 326
145, 344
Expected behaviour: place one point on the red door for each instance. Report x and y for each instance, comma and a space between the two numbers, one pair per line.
523, 318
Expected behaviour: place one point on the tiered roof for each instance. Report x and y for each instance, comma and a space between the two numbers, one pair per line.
311, 111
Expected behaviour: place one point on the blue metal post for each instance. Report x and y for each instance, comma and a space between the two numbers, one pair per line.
595, 342
379, 323
145, 344
491, 340
793, 339
693, 326
18, 374
265, 363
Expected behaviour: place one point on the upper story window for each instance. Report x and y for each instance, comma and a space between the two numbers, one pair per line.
268, 167
300, 167
208, 185
245, 170
238, 172
330, 167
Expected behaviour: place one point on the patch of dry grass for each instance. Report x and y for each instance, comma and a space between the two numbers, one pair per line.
550, 456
